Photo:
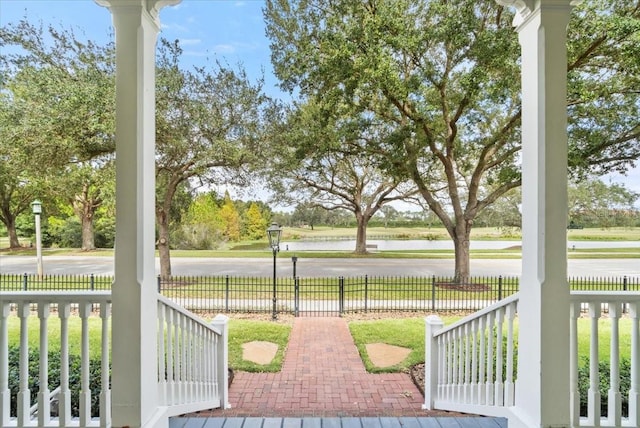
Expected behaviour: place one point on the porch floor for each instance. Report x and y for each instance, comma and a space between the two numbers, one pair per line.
324, 384
339, 422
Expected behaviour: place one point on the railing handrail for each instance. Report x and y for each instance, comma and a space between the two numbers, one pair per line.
57, 296
502, 303
171, 304
611, 296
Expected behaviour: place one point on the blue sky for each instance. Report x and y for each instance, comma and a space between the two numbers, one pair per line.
229, 30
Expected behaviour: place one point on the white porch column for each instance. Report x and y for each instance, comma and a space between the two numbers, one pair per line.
134, 322
542, 392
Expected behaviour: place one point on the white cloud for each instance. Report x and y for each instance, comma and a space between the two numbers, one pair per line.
190, 42
224, 48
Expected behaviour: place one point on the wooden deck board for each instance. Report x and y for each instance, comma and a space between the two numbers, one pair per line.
338, 422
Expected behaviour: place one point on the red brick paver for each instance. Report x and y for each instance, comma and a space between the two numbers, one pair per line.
322, 375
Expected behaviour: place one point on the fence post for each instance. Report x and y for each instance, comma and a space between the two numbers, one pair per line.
340, 294
226, 293
433, 293
296, 296
499, 288
92, 283
433, 324
366, 293
25, 280
625, 287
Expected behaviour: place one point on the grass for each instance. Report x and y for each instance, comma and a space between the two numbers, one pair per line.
243, 331
53, 333
405, 332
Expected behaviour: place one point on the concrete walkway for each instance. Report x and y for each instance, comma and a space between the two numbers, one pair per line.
322, 376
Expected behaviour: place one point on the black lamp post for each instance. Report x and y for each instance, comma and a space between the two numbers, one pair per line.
294, 259
36, 208
273, 232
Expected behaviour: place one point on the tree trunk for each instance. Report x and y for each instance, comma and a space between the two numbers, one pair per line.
13, 234
85, 205
461, 243
361, 235
163, 244
88, 237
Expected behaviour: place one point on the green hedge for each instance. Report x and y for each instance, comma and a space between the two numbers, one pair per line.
95, 381
625, 385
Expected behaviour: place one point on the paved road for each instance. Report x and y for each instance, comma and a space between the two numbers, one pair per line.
313, 267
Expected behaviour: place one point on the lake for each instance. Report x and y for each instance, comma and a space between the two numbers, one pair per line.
423, 244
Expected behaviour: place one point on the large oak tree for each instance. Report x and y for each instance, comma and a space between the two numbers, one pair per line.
57, 117
210, 129
321, 162
446, 77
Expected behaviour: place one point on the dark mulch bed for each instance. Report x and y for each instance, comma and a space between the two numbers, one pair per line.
417, 376
463, 286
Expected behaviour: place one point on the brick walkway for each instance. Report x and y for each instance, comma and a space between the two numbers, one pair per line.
322, 375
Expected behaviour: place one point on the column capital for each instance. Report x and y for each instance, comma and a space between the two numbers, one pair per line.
524, 8
152, 7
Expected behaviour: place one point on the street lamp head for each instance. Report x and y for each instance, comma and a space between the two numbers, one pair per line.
273, 232
36, 207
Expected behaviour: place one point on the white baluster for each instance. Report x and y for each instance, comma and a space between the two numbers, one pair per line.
499, 389
474, 362
614, 414
490, 379
171, 393
509, 387
442, 362
184, 343
456, 365
24, 394
450, 365
105, 391
85, 389
162, 369
482, 369
189, 366
573, 364
467, 364
202, 367
5, 397
44, 404
197, 368
634, 390
593, 398
177, 362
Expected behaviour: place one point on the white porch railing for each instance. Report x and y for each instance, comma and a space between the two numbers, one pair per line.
192, 359
470, 365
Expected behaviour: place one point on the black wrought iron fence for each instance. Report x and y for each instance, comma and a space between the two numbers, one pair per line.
319, 296
27, 282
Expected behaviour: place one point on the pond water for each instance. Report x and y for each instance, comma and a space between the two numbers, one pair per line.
423, 244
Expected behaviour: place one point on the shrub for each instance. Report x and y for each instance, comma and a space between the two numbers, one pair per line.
95, 381
603, 368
